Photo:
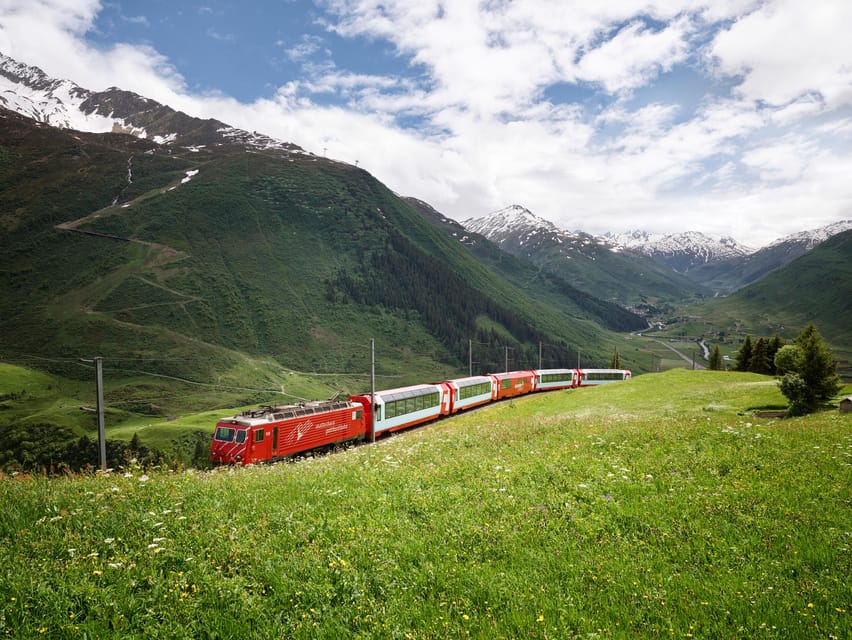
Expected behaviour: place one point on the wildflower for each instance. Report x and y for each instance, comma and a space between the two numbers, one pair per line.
109, 540
143, 478
540, 619
98, 572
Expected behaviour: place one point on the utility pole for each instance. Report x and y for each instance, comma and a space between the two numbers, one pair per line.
372, 389
539, 354
99, 366
99, 389
470, 357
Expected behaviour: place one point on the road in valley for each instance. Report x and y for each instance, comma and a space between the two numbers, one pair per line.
689, 359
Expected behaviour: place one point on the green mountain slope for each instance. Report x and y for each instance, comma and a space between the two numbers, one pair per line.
187, 258
816, 287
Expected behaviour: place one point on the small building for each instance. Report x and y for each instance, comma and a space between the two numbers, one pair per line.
846, 404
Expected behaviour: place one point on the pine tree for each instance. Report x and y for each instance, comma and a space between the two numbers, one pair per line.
134, 443
744, 355
716, 359
615, 362
775, 344
814, 379
759, 361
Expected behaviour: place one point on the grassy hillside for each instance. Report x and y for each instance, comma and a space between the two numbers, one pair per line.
660, 507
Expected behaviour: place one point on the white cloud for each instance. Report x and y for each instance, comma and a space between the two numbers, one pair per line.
221, 37
787, 49
137, 20
307, 47
753, 163
635, 55
782, 161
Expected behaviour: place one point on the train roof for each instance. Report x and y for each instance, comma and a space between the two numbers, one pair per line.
263, 415
403, 392
470, 379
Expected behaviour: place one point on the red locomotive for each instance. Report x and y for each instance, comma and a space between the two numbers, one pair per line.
273, 433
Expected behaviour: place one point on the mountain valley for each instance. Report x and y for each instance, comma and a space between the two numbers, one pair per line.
239, 269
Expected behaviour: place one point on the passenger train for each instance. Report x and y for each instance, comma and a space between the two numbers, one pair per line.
273, 433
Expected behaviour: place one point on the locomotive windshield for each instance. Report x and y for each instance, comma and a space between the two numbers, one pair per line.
228, 434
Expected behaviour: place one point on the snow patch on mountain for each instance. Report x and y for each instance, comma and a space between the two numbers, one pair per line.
813, 237
28, 91
63, 104
704, 248
512, 220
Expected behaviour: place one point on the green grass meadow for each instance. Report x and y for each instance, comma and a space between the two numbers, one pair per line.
661, 507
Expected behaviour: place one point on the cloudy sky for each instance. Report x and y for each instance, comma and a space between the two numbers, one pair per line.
733, 117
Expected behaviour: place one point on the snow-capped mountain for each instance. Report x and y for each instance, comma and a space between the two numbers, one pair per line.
722, 264
64, 104
812, 237
588, 263
517, 225
513, 221
519, 231
680, 251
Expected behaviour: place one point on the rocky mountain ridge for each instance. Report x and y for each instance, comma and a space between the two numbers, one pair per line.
61, 103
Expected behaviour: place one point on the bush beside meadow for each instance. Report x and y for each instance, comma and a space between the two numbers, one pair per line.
661, 507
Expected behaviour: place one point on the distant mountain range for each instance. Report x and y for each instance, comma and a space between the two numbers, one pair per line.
590, 263
717, 265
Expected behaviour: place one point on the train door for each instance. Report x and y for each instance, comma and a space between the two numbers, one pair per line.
274, 444
261, 444
446, 392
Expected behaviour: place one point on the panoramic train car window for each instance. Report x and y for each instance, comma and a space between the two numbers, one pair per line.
258, 435
474, 390
556, 377
605, 375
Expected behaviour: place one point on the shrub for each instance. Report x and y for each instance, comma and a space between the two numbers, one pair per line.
812, 372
